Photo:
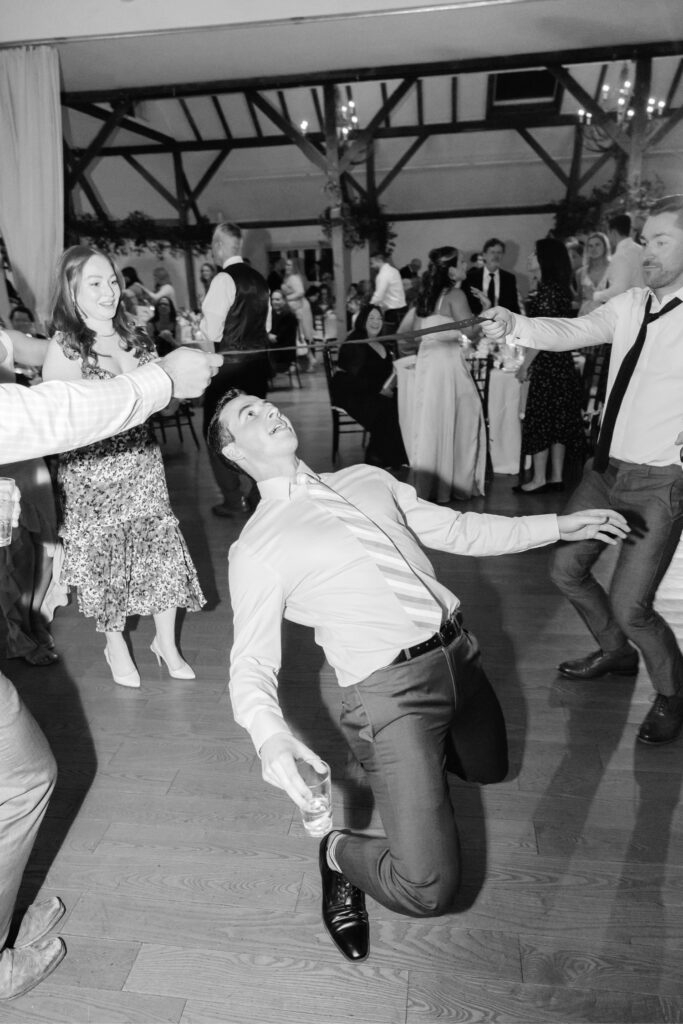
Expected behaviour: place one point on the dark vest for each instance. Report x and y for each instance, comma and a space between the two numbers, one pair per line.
245, 324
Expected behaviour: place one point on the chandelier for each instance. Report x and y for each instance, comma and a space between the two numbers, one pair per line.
346, 122
619, 100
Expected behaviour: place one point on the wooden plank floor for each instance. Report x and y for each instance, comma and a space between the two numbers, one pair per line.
193, 894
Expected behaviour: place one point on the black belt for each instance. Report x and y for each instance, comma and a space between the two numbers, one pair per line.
450, 630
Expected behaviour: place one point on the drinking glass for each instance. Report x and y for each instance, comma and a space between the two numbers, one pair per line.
6, 510
317, 814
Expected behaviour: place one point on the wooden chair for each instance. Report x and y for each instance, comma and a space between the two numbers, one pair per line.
480, 369
342, 422
183, 414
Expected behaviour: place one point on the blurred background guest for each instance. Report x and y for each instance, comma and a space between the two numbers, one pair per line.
163, 327
552, 422
162, 286
207, 272
594, 274
575, 251
360, 386
283, 333
447, 446
294, 290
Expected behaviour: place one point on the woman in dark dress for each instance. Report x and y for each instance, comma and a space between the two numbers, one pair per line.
552, 424
358, 386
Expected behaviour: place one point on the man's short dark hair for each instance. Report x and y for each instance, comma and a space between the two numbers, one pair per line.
378, 254
621, 223
490, 242
218, 436
668, 204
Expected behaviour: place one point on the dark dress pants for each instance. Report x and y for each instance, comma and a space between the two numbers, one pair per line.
251, 375
27, 777
407, 724
651, 499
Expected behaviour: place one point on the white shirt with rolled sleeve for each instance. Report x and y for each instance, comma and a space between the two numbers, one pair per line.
651, 413
296, 560
60, 415
389, 292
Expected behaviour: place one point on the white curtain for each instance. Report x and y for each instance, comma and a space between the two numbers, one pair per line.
31, 172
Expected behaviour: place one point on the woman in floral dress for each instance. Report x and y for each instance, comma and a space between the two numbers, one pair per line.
123, 549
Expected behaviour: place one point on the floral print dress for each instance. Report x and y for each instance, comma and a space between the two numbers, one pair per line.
123, 549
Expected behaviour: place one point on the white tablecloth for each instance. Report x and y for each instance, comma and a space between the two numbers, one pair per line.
505, 426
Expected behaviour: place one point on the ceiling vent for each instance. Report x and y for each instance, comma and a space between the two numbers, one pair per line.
515, 92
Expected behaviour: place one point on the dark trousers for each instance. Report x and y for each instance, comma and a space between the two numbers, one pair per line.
651, 499
407, 724
251, 375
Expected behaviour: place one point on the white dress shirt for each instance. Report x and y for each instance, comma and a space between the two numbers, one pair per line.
625, 271
218, 301
388, 293
296, 560
651, 413
60, 415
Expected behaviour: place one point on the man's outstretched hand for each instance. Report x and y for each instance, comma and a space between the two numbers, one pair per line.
594, 524
279, 755
190, 370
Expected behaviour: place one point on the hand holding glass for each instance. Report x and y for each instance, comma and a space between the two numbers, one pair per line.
7, 487
317, 813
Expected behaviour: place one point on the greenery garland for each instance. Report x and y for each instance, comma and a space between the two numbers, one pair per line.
138, 232
362, 222
588, 213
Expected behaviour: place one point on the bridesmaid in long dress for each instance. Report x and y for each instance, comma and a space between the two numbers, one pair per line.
447, 446
123, 549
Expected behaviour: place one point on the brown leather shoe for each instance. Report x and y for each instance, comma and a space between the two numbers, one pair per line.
39, 919
23, 969
664, 720
601, 663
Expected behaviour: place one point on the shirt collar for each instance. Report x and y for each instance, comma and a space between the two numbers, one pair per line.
281, 488
657, 305
231, 260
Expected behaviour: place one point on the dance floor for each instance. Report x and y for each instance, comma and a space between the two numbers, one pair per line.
193, 894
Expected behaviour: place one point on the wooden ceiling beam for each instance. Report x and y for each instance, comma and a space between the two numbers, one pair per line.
589, 55
290, 131
401, 162
545, 156
151, 180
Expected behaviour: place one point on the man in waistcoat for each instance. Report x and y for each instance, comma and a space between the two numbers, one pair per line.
236, 319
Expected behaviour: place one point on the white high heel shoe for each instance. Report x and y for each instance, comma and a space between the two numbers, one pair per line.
182, 672
131, 679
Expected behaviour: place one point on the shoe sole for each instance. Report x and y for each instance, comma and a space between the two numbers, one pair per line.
657, 743
598, 675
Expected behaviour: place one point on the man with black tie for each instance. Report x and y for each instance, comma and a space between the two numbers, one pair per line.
499, 285
636, 468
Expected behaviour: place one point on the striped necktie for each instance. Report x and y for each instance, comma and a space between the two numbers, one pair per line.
414, 597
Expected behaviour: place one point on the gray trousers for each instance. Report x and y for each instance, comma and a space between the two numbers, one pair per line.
651, 499
28, 773
407, 724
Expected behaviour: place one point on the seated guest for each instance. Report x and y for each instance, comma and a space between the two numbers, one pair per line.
162, 326
358, 386
283, 333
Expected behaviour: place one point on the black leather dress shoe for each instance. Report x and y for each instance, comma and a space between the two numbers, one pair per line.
664, 720
601, 663
344, 912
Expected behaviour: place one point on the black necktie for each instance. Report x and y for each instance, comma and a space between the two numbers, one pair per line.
621, 384
492, 289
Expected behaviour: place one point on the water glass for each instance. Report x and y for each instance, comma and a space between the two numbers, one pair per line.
6, 510
317, 814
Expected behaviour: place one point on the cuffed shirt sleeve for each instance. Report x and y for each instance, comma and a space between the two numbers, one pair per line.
258, 604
